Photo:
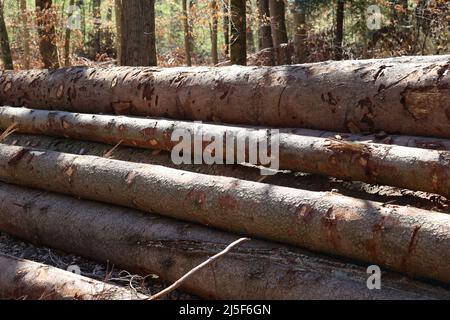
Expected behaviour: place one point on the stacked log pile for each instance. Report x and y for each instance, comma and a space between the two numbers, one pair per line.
85, 167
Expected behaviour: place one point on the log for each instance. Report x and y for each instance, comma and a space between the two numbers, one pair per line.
149, 244
403, 167
283, 178
24, 279
404, 239
399, 95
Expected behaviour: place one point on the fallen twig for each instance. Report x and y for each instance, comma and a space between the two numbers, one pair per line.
179, 282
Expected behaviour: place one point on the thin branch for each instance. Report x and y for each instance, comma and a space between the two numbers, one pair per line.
183, 279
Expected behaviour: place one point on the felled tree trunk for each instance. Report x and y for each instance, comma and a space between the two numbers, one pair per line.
405, 239
400, 95
153, 245
409, 168
23, 279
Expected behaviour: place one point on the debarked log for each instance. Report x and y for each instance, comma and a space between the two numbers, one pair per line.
398, 166
29, 280
407, 95
149, 244
405, 239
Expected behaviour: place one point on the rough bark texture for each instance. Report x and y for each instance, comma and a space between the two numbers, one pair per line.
300, 33
403, 167
96, 30
47, 33
409, 240
5, 49
23, 279
238, 41
187, 33
25, 34
138, 47
67, 40
278, 27
400, 95
149, 244
214, 32
340, 15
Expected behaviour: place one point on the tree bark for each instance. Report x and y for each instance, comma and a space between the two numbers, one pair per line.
150, 244
5, 49
138, 46
340, 14
278, 26
355, 161
23, 279
214, 32
25, 33
404, 239
96, 30
238, 45
249, 29
300, 35
117, 15
265, 30
399, 95
47, 34
67, 40
226, 27
187, 35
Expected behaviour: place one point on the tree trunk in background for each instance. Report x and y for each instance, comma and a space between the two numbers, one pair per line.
97, 25
138, 33
82, 6
109, 44
117, 14
278, 22
226, 27
47, 34
410, 96
187, 36
25, 34
299, 32
265, 30
5, 49
67, 40
250, 37
238, 45
339, 37
214, 28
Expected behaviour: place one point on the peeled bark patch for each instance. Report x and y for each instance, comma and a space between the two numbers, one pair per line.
154, 245
337, 224
349, 96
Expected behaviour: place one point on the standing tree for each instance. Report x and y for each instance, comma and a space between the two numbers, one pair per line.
265, 30
214, 28
278, 22
187, 33
67, 39
25, 33
299, 14
250, 38
45, 20
340, 14
238, 45
226, 27
138, 43
117, 14
96, 31
5, 49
